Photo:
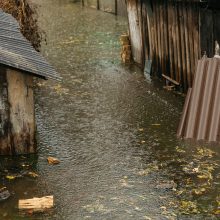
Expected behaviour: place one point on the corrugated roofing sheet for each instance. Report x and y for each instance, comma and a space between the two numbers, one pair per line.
17, 52
201, 114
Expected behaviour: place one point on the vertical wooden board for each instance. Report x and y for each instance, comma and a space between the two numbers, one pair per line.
145, 33
175, 46
170, 24
156, 46
216, 17
152, 34
121, 7
196, 43
206, 32
161, 33
22, 118
191, 37
165, 35
107, 6
186, 35
157, 16
4, 115
90, 3
178, 45
140, 19
182, 47
135, 31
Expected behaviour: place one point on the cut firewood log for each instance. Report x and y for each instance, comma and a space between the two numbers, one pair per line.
36, 204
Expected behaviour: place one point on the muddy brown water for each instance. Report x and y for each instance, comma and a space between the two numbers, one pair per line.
113, 131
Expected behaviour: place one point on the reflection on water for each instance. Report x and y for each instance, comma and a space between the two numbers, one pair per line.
113, 132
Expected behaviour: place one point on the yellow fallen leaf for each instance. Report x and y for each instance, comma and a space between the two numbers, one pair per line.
10, 177
53, 160
141, 129
32, 174
199, 191
143, 142
217, 212
155, 124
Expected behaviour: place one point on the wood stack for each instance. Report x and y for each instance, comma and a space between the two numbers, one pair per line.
126, 48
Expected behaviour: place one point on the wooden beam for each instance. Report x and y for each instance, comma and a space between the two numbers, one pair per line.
171, 80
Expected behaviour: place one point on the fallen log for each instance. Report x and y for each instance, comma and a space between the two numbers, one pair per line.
36, 204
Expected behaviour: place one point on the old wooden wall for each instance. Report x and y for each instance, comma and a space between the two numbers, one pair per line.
173, 35
17, 130
5, 125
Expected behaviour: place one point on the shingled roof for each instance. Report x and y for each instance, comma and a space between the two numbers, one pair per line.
17, 52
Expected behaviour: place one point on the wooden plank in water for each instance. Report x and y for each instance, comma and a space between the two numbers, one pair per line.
36, 204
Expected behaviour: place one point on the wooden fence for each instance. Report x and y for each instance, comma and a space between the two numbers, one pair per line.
117, 7
173, 35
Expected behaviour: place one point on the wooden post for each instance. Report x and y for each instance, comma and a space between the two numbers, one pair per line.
98, 5
116, 7
17, 134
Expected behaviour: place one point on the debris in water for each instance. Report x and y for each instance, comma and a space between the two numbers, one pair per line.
4, 194
167, 185
53, 160
10, 177
33, 174
126, 48
36, 204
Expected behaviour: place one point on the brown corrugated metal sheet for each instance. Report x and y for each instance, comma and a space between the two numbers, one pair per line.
201, 113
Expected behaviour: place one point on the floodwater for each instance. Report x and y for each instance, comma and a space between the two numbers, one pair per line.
113, 131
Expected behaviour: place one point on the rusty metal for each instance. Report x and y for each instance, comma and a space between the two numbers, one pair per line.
201, 114
17, 52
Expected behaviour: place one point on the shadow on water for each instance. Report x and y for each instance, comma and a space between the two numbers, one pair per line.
114, 133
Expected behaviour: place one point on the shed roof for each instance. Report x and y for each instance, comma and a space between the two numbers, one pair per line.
17, 52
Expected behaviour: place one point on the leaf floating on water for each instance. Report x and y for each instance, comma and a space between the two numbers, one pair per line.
59, 90
53, 160
32, 174
141, 129
143, 142
205, 175
199, 191
188, 207
156, 124
151, 168
179, 150
204, 152
25, 165
10, 177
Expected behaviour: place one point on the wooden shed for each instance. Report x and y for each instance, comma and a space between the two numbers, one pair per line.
19, 64
173, 35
